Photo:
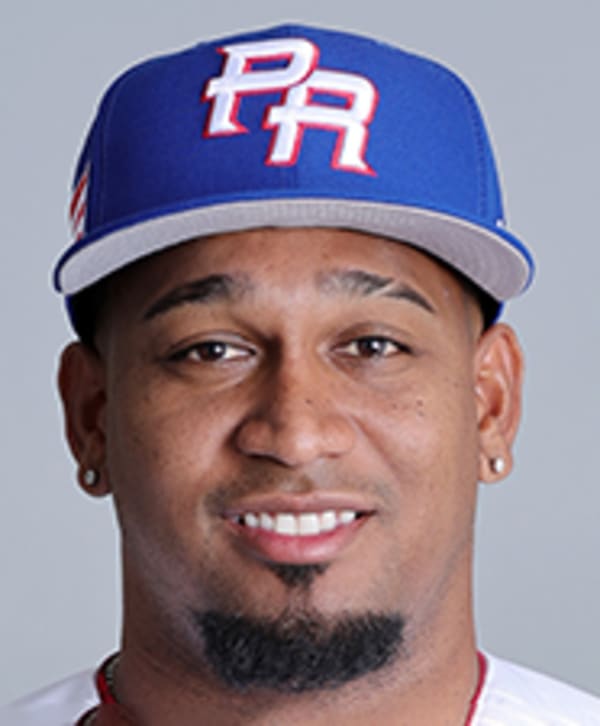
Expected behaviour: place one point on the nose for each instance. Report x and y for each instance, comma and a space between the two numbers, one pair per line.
296, 420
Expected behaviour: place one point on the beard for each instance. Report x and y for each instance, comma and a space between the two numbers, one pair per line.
300, 652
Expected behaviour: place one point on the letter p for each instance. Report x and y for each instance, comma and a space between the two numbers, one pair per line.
239, 78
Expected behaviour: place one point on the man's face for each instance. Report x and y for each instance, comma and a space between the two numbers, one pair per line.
291, 428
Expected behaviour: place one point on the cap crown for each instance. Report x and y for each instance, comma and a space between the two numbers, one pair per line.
290, 126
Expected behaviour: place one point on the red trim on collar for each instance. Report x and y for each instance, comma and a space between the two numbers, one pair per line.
483, 667
102, 686
106, 695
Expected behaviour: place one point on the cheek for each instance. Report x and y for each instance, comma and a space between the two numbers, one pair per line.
426, 425
425, 439
164, 451
164, 427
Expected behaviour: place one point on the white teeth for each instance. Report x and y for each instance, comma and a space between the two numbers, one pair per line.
347, 516
308, 524
328, 520
304, 524
286, 524
266, 521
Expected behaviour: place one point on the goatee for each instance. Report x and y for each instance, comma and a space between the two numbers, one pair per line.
296, 653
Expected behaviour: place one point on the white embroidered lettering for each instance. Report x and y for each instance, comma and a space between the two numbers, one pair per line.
296, 75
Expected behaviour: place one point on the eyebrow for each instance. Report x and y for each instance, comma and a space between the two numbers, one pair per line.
210, 289
363, 283
223, 288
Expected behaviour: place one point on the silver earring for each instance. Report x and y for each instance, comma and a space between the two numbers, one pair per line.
497, 464
91, 477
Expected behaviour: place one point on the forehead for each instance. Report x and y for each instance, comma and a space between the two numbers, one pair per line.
295, 259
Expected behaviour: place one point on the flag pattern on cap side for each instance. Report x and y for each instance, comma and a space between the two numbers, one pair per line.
78, 206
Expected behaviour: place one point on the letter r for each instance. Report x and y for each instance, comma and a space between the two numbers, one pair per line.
350, 121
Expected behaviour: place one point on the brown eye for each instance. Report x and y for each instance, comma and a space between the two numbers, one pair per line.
374, 347
212, 351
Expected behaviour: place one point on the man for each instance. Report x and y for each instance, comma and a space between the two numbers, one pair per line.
289, 261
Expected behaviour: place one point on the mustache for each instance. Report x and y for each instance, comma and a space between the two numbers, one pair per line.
268, 481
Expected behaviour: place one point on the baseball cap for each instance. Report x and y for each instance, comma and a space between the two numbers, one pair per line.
292, 126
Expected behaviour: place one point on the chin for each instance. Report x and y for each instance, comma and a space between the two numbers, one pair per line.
298, 651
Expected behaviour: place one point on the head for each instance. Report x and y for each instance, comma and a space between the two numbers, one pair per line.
292, 414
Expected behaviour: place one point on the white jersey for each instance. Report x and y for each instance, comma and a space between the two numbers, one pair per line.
510, 696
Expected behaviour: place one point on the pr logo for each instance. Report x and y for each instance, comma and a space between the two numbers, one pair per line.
301, 82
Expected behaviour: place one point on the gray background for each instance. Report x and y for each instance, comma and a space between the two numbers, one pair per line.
534, 65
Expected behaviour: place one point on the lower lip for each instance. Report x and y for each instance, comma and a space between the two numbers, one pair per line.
312, 549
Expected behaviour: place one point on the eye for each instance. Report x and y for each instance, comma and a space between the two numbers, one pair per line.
373, 347
212, 351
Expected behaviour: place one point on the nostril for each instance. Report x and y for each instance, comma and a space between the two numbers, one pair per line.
295, 430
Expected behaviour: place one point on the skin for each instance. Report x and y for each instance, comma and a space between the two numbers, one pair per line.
295, 406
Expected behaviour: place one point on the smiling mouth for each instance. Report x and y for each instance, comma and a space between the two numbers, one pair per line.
296, 537
304, 524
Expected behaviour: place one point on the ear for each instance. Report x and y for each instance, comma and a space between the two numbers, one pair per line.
81, 383
498, 384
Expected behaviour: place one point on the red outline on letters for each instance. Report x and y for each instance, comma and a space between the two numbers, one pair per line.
340, 130
248, 63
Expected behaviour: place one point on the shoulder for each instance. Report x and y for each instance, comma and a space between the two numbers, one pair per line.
60, 704
521, 697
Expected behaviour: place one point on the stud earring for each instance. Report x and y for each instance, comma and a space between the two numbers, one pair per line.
91, 477
497, 464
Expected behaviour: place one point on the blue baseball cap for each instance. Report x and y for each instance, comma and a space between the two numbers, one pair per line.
292, 126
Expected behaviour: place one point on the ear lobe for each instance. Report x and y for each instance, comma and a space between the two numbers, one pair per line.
498, 384
81, 384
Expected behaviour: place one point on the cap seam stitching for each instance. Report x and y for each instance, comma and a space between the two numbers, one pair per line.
476, 125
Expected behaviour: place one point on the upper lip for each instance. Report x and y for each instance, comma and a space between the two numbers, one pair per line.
298, 503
